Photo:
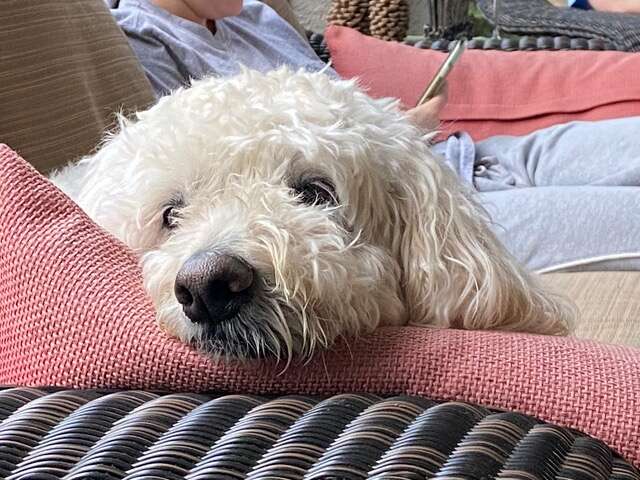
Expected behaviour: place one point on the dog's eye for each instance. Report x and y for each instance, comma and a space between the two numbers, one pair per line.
316, 191
171, 214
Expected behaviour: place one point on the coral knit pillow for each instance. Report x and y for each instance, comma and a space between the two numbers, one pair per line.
73, 314
493, 92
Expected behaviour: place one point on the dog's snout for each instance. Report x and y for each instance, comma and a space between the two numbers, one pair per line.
212, 287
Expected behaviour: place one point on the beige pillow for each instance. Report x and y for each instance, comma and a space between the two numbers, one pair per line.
608, 303
69, 68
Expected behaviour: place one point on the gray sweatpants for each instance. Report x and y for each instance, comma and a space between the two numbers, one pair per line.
565, 197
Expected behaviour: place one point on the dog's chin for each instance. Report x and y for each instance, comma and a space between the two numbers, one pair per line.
251, 334
236, 339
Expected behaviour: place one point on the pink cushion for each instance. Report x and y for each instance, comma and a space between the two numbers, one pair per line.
492, 92
73, 314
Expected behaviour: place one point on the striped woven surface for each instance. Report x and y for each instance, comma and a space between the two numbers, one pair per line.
540, 17
511, 44
140, 435
73, 314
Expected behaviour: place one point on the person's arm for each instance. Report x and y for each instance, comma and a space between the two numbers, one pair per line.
427, 115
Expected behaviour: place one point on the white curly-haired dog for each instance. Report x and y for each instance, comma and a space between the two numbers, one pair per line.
276, 212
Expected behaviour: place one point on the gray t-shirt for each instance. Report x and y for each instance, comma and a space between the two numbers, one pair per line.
174, 50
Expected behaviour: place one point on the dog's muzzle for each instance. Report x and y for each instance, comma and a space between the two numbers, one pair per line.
213, 287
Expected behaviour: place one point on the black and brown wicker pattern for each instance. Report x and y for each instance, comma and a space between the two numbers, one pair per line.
350, 13
526, 43
389, 19
540, 18
141, 435
384, 19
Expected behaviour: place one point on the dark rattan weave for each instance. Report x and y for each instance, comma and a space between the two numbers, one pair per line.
140, 435
524, 44
539, 17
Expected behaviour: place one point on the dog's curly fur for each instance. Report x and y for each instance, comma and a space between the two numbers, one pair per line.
404, 244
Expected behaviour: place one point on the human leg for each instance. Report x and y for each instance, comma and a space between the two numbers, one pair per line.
577, 153
580, 227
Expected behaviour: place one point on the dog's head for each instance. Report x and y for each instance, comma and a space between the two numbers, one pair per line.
275, 212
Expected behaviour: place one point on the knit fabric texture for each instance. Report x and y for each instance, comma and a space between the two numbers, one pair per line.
73, 314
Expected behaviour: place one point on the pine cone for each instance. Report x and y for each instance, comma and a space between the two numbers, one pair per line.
389, 19
350, 13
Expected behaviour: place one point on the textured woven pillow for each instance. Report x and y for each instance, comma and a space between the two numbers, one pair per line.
73, 314
493, 92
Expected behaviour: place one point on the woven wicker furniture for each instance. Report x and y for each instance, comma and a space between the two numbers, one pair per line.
540, 18
143, 435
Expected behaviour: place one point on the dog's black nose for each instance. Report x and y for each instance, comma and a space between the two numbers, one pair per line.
212, 287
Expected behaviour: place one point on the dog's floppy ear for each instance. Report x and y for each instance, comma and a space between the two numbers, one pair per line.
455, 272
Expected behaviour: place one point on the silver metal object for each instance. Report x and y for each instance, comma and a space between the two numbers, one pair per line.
496, 19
